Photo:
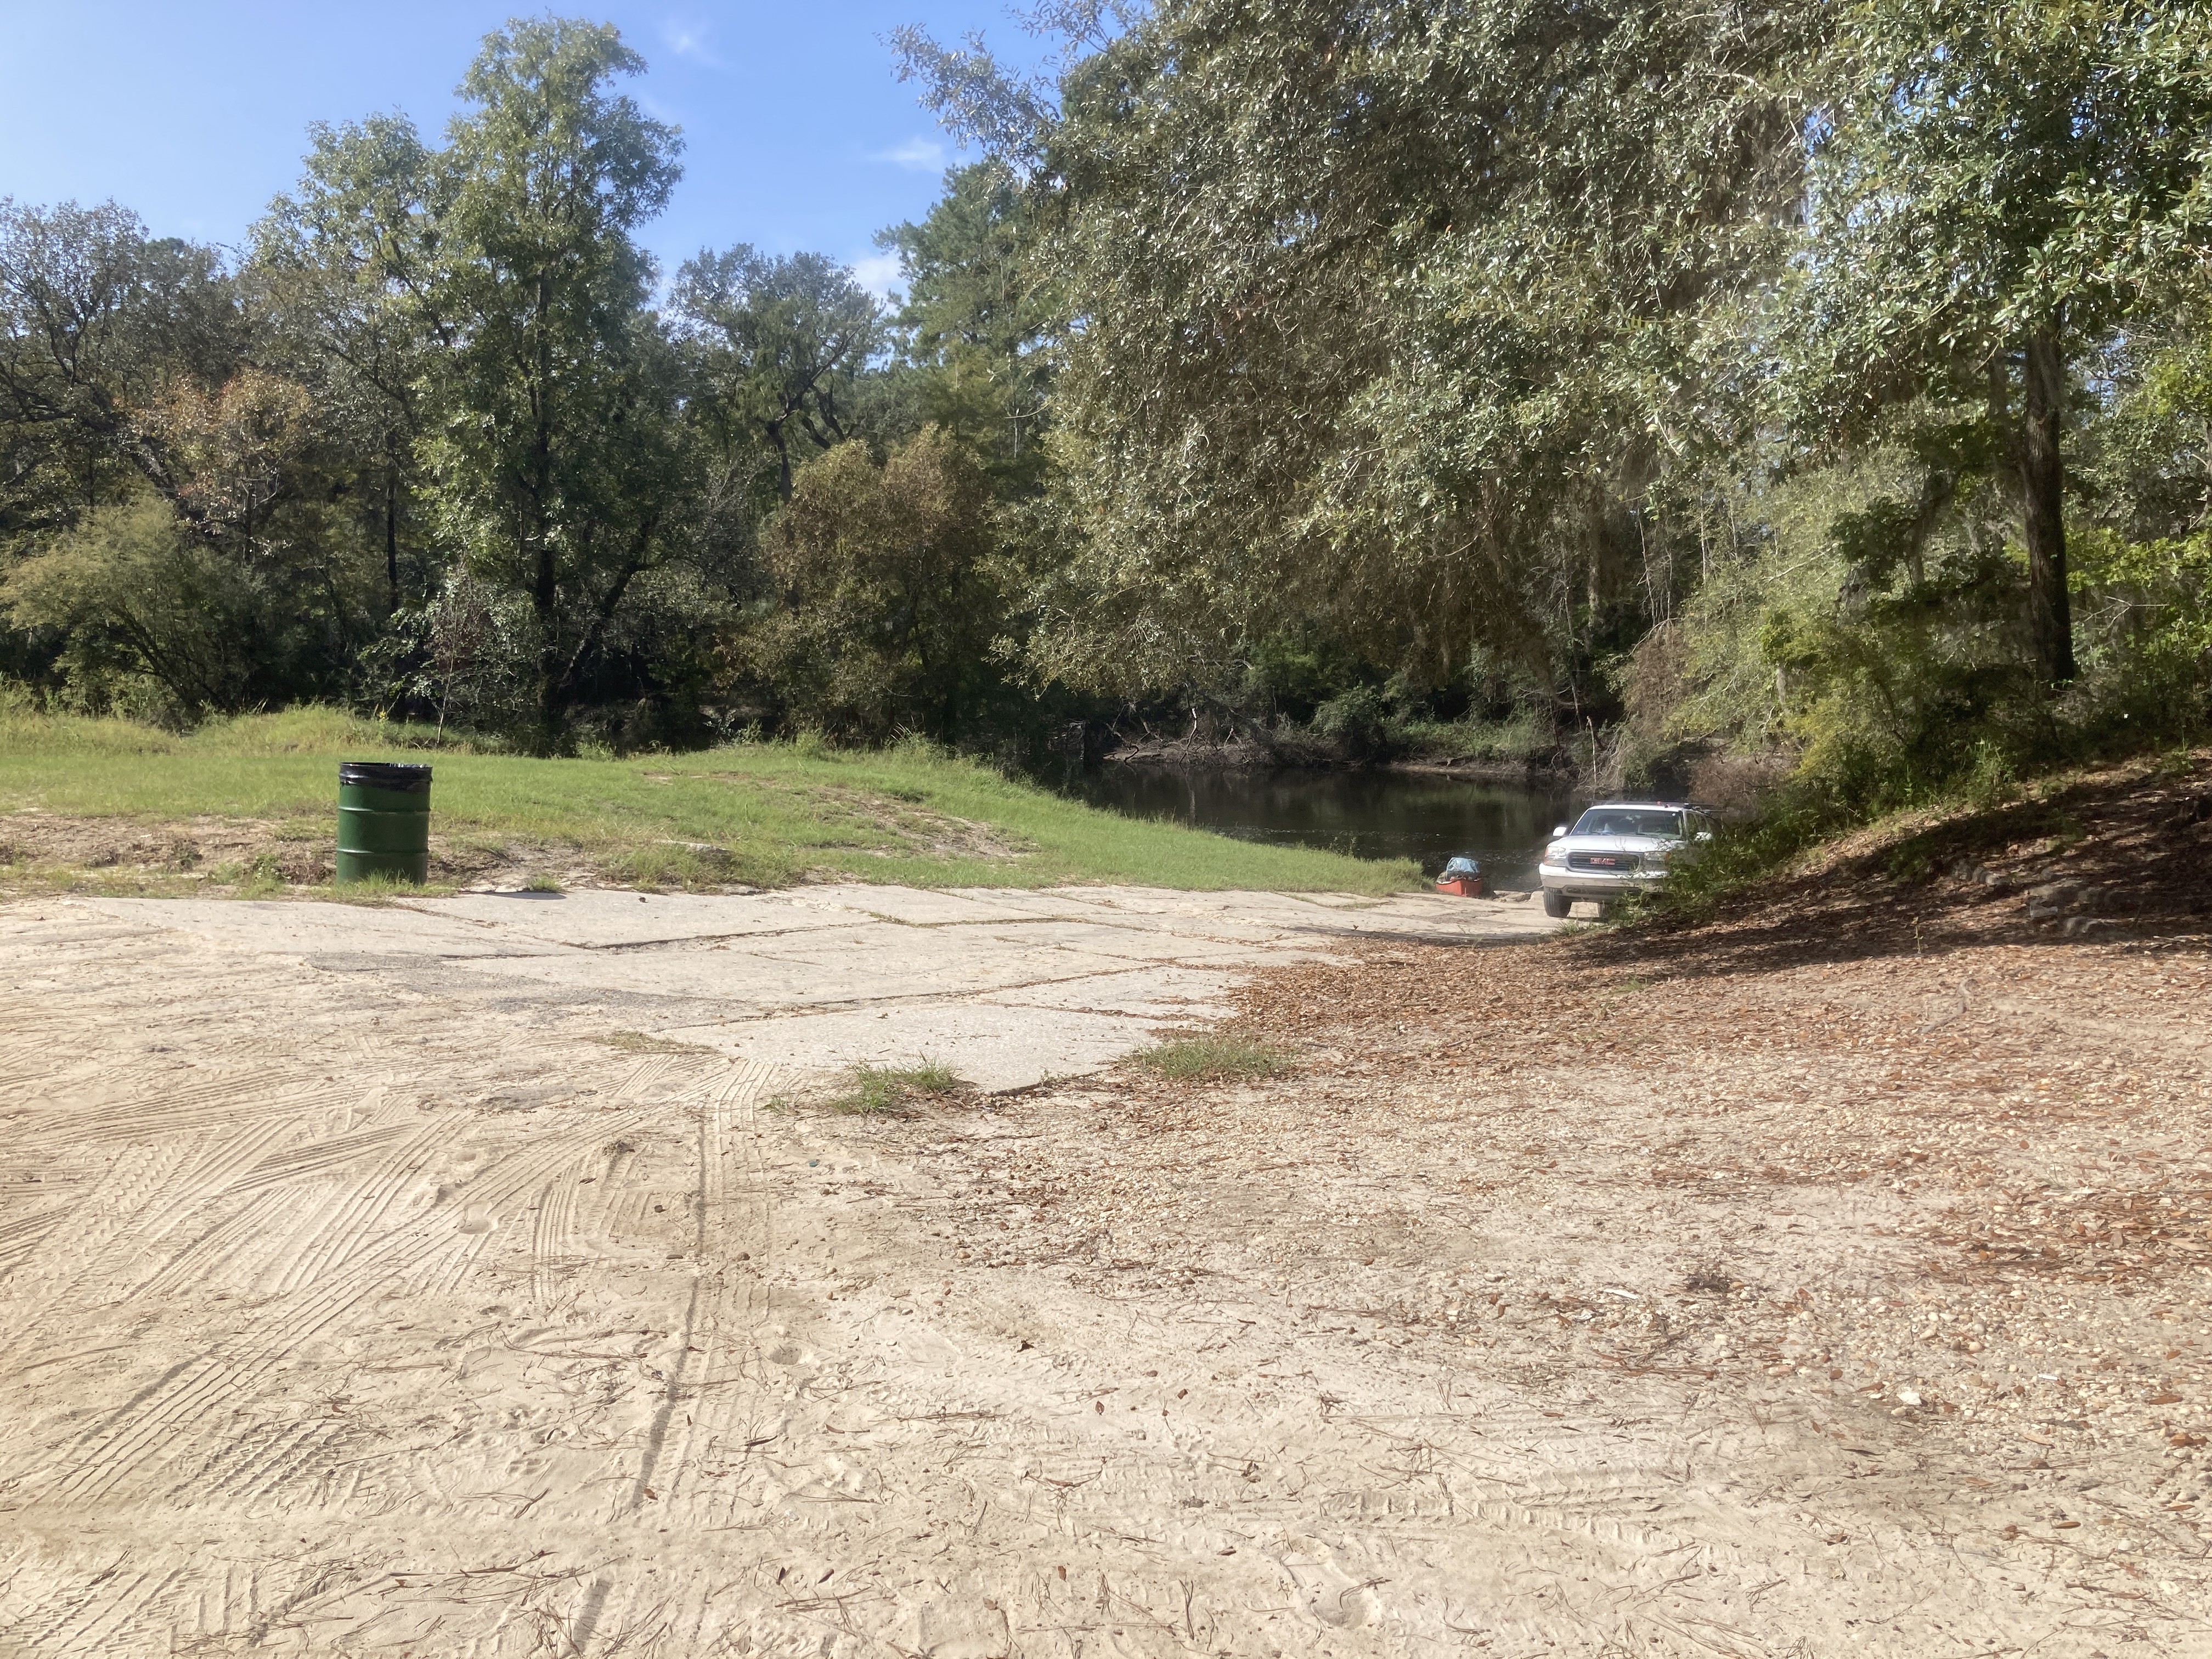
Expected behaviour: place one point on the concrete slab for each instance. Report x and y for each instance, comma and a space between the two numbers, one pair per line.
1149, 994
1118, 940
314, 932
922, 907
595, 919
881, 963
993, 1046
1006, 987
411, 1307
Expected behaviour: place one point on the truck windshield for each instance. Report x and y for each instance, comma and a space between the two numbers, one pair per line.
1630, 821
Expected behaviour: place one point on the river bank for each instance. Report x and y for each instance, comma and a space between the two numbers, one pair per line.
1291, 751
1424, 818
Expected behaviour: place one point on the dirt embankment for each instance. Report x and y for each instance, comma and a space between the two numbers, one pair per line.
49, 852
59, 852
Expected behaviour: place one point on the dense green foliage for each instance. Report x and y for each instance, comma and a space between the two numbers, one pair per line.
433, 449
1827, 379
886, 594
1819, 377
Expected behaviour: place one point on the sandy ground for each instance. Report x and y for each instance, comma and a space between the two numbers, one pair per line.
352, 1249
1812, 1283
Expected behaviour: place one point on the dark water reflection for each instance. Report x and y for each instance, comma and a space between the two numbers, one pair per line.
1425, 815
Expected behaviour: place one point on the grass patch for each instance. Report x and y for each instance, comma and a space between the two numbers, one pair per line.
264, 878
874, 1090
1212, 1059
685, 866
749, 814
1520, 741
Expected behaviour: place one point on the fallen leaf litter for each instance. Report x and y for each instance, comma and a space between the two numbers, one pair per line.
1917, 1161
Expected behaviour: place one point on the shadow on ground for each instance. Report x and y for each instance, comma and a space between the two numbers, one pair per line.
2125, 852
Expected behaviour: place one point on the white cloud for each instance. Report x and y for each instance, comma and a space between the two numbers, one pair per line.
916, 155
689, 40
879, 273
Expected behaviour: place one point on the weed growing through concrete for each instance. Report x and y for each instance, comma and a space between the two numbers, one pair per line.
892, 1088
1212, 1059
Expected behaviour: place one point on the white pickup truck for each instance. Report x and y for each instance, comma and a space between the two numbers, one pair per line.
1619, 847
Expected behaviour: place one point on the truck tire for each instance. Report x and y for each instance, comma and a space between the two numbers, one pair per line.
1556, 903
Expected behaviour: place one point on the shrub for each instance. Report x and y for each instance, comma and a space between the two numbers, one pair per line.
887, 596
1358, 722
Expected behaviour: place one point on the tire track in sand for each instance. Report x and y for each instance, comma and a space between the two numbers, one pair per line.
81, 1240
718, 1283
177, 1407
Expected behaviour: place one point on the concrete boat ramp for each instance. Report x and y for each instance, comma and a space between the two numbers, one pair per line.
1006, 987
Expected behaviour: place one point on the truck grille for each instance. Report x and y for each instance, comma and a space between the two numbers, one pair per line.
1611, 864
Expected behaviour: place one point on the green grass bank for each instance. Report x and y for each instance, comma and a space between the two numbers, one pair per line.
250, 805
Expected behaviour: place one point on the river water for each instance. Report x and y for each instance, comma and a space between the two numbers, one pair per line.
1425, 815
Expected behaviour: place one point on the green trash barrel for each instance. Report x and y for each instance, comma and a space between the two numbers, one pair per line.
383, 821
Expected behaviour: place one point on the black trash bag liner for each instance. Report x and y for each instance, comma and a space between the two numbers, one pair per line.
397, 776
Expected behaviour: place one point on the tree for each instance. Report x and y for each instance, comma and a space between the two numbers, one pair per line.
1392, 315
139, 388
886, 599
96, 319
782, 343
1996, 184
555, 443
979, 319
345, 272
548, 398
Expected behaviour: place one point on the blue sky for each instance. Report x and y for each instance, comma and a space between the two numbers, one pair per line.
796, 135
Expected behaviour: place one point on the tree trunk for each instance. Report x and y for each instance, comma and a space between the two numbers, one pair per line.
546, 608
2042, 492
390, 527
545, 582
782, 462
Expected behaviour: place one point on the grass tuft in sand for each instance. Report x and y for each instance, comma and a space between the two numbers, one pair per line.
1212, 1059
891, 1090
